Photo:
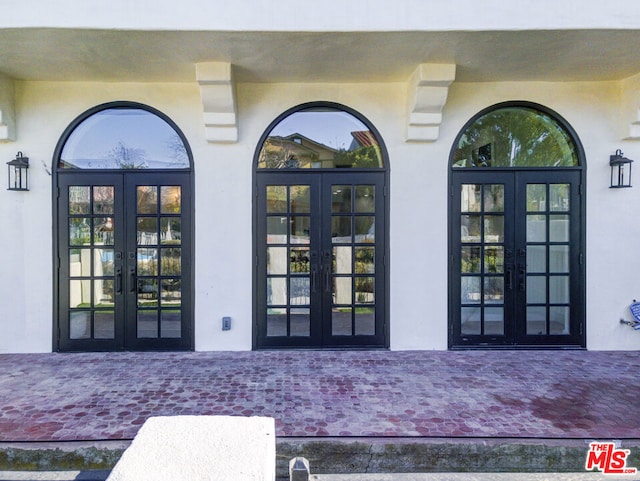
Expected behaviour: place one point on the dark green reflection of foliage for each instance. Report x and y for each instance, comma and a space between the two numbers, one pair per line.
515, 137
362, 157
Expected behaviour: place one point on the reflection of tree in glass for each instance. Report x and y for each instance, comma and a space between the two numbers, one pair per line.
178, 151
515, 137
128, 157
362, 157
281, 153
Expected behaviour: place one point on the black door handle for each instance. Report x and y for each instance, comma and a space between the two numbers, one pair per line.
118, 280
132, 280
523, 276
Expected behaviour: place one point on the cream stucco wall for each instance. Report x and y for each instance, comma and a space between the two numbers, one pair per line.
223, 203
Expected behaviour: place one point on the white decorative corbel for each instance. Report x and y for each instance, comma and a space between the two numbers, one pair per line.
428, 91
634, 128
7, 111
217, 91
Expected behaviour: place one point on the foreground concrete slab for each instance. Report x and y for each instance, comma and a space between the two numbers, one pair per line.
192, 448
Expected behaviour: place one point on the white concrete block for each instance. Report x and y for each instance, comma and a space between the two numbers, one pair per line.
200, 448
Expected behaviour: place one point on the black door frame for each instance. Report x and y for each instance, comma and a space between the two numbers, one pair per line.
321, 336
515, 335
57, 172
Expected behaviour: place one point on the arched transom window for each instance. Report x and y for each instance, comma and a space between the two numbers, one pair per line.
515, 136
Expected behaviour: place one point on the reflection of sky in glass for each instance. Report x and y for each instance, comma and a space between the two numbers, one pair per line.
149, 140
332, 128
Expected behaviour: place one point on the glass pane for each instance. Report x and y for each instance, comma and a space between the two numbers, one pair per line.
559, 259
559, 197
494, 289
103, 293
365, 293
147, 262
494, 198
536, 228
80, 231
170, 199
494, 321
341, 229
171, 261
104, 325
103, 231
277, 230
147, 231
276, 322
365, 260
365, 229
341, 321
342, 260
277, 291
365, 198
470, 321
147, 324
342, 290
80, 262
536, 259
470, 228
299, 260
470, 259
276, 260
79, 202
470, 198
515, 137
277, 198
80, 293
470, 290
559, 320
103, 262
494, 228
559, 228
147, 199
300, 322
147, 292
300, 198
536, 290
103, 200
536, 197
559, 289
171, 293
365, 321
170, 230
80, 325
320, 137
300, 229
536, 320
170, 324
124, 138
493, 259
341, 199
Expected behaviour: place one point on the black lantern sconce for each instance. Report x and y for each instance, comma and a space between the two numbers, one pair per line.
18, 173
618, 163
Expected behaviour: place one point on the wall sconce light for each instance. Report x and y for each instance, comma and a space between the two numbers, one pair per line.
18, 173
618, 177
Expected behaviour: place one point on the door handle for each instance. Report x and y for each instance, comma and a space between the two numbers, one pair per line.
509, 279
523, 276
314, 278
118, 280
132, 280
326, 265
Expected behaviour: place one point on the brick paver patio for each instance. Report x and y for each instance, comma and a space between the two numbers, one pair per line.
528, 394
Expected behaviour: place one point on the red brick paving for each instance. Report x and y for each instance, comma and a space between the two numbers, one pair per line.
528, 394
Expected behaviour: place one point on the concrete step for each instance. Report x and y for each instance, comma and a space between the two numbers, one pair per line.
93, 475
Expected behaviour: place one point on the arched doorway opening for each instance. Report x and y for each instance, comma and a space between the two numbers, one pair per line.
320, 231
123, 232
516, 240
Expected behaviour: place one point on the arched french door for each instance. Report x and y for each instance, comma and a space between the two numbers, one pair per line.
516, 240
320, 231
123, 222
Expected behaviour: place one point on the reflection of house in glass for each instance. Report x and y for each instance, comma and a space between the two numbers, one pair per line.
296, 151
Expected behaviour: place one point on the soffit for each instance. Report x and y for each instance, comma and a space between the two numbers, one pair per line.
153, 56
